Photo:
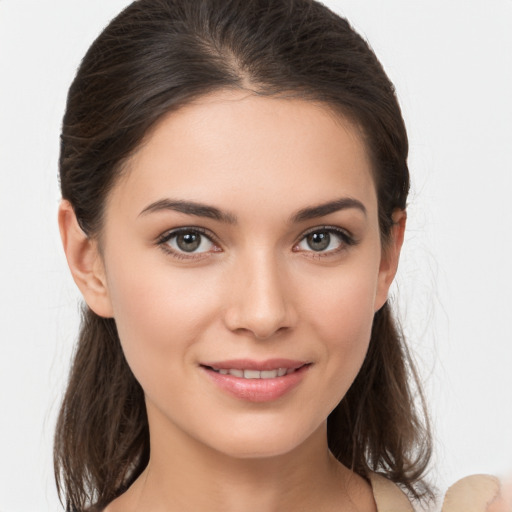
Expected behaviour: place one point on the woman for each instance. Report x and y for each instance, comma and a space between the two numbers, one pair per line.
234, 180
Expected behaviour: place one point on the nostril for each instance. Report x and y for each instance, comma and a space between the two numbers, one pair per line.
270, 333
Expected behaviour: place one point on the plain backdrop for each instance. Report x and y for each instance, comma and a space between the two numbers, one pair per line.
451, 62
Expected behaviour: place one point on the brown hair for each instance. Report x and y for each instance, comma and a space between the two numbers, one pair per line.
153, 58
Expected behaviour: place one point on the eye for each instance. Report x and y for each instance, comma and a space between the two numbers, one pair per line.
185, 242
325, 240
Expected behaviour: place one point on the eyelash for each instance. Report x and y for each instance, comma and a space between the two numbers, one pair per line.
346, 240
165, 238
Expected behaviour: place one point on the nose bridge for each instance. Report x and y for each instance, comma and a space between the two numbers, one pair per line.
260, 300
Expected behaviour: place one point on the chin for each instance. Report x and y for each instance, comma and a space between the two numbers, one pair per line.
263, 442
259, 450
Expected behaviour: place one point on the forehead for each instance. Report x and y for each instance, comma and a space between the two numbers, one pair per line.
237, 144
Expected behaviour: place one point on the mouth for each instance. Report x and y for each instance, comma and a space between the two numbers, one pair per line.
257, 381
254, 374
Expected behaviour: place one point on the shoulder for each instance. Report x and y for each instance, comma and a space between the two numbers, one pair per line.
475, 493
388, 496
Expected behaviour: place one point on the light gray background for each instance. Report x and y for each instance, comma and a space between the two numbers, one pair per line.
451, 61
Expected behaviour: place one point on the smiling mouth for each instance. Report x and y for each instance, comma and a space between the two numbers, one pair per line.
254, 374
257, 381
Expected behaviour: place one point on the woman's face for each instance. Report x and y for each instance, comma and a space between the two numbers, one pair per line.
243, 265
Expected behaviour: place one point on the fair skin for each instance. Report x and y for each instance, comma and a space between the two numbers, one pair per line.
258, 278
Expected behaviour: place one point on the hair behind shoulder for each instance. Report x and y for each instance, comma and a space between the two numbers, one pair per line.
153, 58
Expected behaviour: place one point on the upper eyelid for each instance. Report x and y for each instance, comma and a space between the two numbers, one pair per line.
167, 235
326, 227
335, 229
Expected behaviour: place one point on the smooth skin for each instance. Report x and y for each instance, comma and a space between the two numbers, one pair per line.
256, 271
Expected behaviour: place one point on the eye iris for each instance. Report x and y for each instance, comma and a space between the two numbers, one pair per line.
188, 242
319, 240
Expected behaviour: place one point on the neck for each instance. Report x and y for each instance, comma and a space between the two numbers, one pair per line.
185, 475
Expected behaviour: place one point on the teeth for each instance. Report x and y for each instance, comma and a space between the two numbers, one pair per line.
252, 374
256, 374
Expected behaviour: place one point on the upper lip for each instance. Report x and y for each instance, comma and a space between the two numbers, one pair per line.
250, 364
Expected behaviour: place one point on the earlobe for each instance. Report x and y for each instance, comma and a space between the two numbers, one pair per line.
390, 257
85, 262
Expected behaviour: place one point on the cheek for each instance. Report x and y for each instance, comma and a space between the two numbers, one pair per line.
346, 328
341, 314
159, 315
341, 305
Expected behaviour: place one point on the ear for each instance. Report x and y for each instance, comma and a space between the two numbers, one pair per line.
389, 258
85, 262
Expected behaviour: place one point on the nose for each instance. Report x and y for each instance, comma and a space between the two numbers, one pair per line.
260, 301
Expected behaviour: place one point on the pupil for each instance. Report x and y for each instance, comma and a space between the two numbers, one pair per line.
319, 241
188, 242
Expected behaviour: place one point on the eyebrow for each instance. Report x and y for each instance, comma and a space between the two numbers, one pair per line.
320, 210
211, 212
190, 208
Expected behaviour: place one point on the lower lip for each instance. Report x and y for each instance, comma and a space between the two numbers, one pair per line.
257, 390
